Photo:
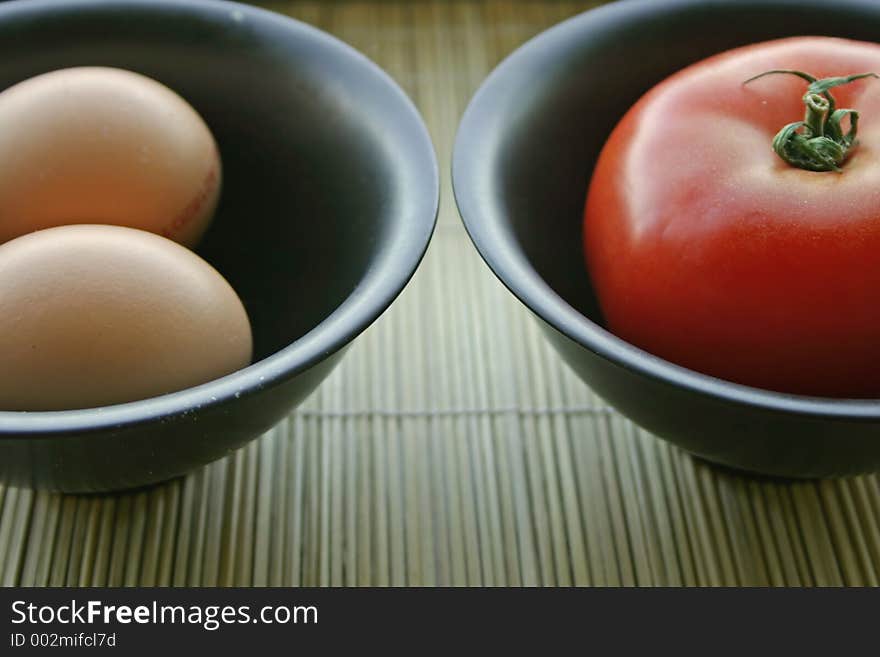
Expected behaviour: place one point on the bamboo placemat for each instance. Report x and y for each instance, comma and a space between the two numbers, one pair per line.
452, 446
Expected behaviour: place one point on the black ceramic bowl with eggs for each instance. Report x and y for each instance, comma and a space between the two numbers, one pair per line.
329, 199
522, 162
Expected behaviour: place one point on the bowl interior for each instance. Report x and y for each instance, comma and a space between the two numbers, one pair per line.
316, 143
541, 119
546, 112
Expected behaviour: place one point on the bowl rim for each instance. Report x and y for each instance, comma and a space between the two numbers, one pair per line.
375, 292
472, 182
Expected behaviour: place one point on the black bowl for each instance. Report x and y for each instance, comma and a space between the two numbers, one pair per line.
329, 200
523, 158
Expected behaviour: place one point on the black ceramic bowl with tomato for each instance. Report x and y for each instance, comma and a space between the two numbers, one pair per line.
524, 157
329, 199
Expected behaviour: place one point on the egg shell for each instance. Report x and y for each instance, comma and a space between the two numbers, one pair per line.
92, 315
107, 146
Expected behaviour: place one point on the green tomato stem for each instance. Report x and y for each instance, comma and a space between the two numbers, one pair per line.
817, 114
818, 143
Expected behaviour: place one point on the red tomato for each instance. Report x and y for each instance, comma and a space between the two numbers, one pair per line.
707, 249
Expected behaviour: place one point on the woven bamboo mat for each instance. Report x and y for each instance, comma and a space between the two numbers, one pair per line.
452, 446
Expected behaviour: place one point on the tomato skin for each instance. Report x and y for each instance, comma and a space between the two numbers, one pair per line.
707, 249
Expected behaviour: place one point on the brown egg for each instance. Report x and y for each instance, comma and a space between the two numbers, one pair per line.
104, 146
94, 315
